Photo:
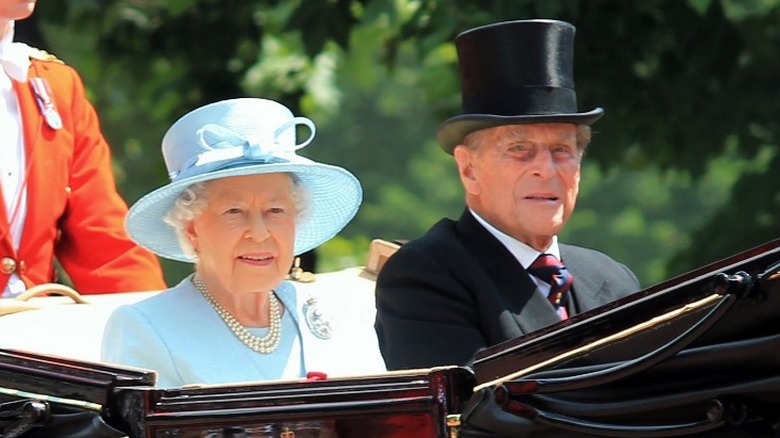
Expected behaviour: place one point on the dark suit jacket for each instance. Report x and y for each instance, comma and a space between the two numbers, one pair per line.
457, 290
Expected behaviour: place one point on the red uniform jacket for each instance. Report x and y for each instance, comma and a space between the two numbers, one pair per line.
74, 212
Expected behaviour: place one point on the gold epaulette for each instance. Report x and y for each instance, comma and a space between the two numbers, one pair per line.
43, 55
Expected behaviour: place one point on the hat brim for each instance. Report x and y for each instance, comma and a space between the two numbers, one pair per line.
334, 198
453, 130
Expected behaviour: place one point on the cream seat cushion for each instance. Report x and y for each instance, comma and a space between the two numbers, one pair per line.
71, 325
60, 326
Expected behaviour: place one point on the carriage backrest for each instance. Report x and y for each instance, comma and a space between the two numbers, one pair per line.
56, 320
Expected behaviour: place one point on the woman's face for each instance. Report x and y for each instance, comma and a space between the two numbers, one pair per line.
245, 236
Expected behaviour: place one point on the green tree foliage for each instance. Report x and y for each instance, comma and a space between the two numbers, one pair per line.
681, 172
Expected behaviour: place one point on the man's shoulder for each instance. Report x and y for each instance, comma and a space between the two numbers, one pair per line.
439, 248
441, 235
49, 66
571, 251
596, 263
41, 55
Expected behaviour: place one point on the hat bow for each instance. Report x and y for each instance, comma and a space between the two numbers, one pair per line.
222, 145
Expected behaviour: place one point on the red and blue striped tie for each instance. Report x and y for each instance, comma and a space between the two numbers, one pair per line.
550, 270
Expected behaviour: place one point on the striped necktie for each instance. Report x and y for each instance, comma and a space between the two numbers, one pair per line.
550, 270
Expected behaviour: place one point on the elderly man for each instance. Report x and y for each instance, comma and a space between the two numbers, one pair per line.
498, 272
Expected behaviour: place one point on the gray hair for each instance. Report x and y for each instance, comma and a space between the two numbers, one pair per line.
584, 133
193, 200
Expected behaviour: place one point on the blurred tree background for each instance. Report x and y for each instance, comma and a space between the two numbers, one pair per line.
683, 169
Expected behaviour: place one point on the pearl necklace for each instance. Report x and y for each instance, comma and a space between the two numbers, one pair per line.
265, 345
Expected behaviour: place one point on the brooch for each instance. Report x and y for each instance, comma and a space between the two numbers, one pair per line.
319, 324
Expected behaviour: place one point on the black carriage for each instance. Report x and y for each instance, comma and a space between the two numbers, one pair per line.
698, 355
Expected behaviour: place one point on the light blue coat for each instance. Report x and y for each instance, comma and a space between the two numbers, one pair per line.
179, 335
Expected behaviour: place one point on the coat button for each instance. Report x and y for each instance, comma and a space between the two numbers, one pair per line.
7, 265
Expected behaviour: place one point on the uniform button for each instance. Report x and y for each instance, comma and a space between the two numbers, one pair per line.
7, 265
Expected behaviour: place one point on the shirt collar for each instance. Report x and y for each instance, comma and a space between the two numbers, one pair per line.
524, 254
8, 37
14, 57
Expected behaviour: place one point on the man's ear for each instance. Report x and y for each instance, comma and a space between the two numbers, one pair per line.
464, 158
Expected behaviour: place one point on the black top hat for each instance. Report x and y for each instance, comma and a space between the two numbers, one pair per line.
515, 72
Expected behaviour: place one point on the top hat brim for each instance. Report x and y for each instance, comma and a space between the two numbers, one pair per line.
453, 130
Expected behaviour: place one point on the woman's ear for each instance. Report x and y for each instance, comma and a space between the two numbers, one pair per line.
192, 235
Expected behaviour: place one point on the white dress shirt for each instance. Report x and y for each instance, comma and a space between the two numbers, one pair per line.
12, 157
524, 254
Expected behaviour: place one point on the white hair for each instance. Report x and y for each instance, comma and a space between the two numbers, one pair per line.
193, 200
474, 139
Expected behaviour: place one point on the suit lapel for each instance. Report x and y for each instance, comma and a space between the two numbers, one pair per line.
5, 228
513, 285
30, 126
32, 121
36, 141
588, 284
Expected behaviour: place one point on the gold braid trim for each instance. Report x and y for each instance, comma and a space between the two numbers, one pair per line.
43, 55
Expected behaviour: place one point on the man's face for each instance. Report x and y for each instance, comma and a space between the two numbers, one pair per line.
16, 9
523, 179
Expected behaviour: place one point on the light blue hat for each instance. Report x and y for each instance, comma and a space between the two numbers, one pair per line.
239, 137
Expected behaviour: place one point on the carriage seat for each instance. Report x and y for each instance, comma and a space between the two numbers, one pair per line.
56, 320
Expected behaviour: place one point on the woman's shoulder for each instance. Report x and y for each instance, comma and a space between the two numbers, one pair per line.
175, 299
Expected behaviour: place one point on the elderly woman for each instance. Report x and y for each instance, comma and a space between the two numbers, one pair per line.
240, 206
